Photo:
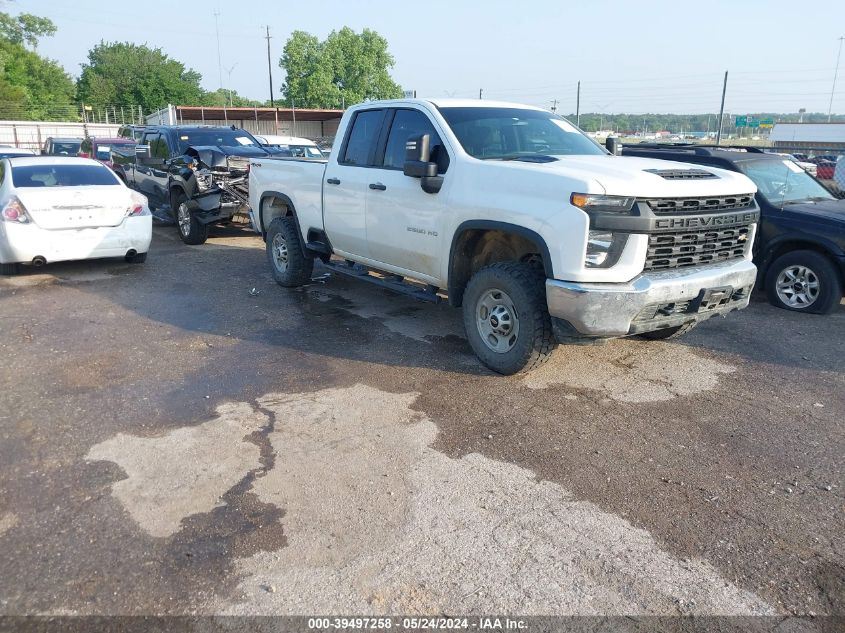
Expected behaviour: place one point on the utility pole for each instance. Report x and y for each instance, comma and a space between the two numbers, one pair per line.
229, 72
480, 93
722, 110
578, 106
835, 73
219, 58
269, 67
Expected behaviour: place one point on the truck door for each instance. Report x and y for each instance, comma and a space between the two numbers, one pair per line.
148, 169
405, 224
345, 184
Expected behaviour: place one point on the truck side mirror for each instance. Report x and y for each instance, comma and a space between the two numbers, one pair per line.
142, 151
613, 145
418, 163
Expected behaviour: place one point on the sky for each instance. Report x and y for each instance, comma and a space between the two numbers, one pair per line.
630, 56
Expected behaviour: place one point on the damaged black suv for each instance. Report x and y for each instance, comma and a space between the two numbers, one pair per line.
195, 176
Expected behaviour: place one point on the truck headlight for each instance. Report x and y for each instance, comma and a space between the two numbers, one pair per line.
590, 202
604, 248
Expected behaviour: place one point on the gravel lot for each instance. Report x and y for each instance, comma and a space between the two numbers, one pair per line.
171, 443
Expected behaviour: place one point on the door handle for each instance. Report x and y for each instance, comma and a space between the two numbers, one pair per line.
377, 186
333, 181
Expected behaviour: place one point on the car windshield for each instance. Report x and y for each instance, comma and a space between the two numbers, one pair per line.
216, 137
62, 176
783, 181
68, 149
512, 133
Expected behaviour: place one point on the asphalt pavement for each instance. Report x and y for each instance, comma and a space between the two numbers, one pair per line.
184, 436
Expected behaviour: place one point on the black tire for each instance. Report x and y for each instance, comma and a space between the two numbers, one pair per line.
669, 332
527, 341
137, 258
10, 269
818, 270
290, 268
191, 231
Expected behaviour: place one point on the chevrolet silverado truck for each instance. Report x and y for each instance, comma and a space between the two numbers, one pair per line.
541, 235
193, 176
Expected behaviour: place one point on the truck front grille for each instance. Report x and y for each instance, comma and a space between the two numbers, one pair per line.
680, 206
696, 248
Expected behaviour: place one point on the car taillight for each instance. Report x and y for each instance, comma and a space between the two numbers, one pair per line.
137, 205
14, 211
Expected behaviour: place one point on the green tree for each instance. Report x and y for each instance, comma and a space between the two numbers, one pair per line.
347, 67
123, 73
31, 86
224, 97
25, 28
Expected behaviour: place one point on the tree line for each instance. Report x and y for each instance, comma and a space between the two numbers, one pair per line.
345, 68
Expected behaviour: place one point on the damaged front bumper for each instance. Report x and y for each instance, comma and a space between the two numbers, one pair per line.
218, 198
652, 301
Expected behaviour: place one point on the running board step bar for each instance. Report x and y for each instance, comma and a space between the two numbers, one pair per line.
395, 283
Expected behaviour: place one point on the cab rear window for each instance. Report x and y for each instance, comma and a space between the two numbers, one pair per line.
24, 176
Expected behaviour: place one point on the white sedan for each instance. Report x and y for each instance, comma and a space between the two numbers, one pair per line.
56, 209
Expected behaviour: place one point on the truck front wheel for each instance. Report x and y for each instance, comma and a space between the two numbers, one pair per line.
284, 250
190, 229
506, 318
804, 281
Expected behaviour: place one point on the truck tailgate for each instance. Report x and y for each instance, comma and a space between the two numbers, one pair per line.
295, 182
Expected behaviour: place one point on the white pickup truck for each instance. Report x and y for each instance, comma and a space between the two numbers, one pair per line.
510, 211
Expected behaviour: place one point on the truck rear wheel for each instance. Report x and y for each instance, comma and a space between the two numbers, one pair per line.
506, 318
284, 250
190, 229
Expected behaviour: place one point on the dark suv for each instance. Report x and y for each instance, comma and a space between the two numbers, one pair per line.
800, 244
55, 146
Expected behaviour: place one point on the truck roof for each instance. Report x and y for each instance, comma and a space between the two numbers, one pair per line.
453, 103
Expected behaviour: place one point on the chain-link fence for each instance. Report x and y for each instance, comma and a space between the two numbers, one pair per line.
68, 113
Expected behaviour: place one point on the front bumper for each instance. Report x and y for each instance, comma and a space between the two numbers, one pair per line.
651, 301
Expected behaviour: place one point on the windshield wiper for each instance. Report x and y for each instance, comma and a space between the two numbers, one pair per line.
530, 158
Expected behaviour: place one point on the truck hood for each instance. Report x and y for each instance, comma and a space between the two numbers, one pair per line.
215, 156
826, 209
641, 177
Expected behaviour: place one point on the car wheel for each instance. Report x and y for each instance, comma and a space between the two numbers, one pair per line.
669, 332
190, 229
10, 269
284, 250
804, 281
137, 258
506, 318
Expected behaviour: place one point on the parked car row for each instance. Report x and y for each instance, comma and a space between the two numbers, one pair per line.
510, 212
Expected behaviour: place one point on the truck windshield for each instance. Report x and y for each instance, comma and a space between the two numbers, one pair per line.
511, 133
783, 181
215, 137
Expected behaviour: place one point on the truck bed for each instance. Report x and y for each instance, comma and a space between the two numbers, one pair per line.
296, 181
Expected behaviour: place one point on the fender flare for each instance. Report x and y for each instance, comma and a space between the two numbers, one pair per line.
493, 225
289, 203
826, 247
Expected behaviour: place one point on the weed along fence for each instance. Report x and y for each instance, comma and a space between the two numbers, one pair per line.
32, 134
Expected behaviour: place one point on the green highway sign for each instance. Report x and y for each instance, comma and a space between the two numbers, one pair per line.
767, 122
741, 121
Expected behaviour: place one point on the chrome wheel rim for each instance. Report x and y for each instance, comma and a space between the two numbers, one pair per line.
798, 286
497, 321
183, 217
279, 248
